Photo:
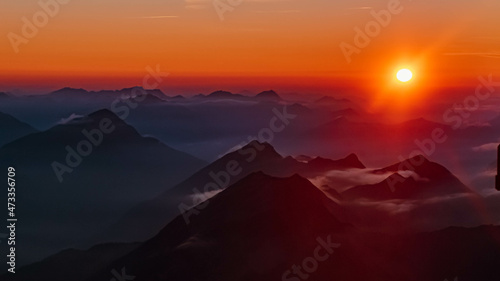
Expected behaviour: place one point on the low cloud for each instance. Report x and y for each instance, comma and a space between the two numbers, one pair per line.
486, 147
200, 197
69, 119
341, 180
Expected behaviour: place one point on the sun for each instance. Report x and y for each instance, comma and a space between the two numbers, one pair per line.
404, 75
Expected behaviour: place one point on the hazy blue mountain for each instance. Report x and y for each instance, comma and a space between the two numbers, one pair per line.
13, 129
80, 176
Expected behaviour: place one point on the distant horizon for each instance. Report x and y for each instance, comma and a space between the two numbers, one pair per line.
189, 86
292, 46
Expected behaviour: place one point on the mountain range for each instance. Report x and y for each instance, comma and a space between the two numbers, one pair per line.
81, 175
179, 188
262, 96
227, 170
268, 228
68, 94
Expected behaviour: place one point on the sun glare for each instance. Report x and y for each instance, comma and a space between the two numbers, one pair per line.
404, 75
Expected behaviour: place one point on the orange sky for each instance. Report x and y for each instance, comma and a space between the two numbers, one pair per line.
108, 43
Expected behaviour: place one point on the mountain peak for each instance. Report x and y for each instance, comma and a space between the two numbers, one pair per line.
263, 148
69, 89
178, 97
103, 113
353, 158
221, 94
133, 88
268, 95
258, 143
351, 161
92, 119
14, 128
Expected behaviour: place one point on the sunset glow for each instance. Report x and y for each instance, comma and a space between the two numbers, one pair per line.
250, 140
261, 39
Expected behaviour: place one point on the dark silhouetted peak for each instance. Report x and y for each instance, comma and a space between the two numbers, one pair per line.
178, 97
354, 160
152, 99
222, 94
351, 161
257, 209
272, 197
255, 143
13, 129
252, 157
94, 119
422, 167
263, 149
137, 91
104, 113
320, 160
9, 124
7, 118
4, 95
156, 92
68, 90
268, 95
